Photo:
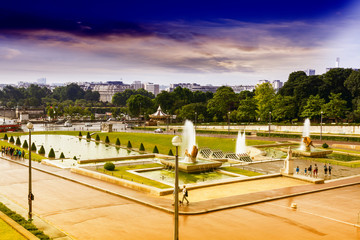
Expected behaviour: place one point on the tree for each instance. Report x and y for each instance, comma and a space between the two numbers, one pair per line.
313, 107
109, 166
336, 107
246, 110
18, 142
166, 100
129, 144
188, 111
117, 142
137, 103
51, 153
88, 135
352, 84
107, 140
156, 150
62, 155
293, 81
11, 139
224, 100
142, 148
42, 150
97, 138
171, 153
25, 144
284, 108
264, 95
33, 147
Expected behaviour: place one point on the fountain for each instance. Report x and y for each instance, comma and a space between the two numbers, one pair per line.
188, 161
240, 143
307, 148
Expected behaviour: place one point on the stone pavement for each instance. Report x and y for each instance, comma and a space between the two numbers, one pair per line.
198, 207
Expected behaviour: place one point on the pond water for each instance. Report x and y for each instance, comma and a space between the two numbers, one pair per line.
168, 176
73, 146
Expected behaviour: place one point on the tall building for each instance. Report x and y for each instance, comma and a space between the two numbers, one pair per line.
310, 72
153, 88
277, 84
337, 64
137, 85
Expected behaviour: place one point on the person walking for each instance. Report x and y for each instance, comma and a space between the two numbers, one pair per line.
316, 170
330, 168
310, 171
297, 170
185, 195
325, 169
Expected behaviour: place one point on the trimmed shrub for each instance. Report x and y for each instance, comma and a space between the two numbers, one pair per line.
129, 144
62, 155
33, 147
325, 145
156, 150
18, 142
51, 153
12, 139
107, 140
80, 135
109, 166
42, 150
74, 158
6, 137
117, 142
142, 148
25, 145
170, 153
88, 135
97, 137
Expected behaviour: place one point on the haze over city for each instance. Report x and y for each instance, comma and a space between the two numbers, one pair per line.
232, 42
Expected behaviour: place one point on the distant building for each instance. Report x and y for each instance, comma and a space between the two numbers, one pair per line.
194, 87
263, 81
277, 84
310, 72
241, 88
41, 81
151, 87
137, 85
337, 64
107, 90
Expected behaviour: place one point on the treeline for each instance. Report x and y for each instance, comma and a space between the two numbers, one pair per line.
334, 95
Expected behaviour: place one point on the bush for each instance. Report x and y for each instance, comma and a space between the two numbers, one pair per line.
325, 145
109, 166
97, 137
142, 148
51, 153
129, 144
117, 142
12, 139
107, 140
18, 142
42, 150
6, 137
170, 153
25, 145
156, 150
74, 158
80, 135
88, 135
62, 155
33, 147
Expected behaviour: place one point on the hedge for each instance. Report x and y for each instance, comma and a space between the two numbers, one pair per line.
109, 166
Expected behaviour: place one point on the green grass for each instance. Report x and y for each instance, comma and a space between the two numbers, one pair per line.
121, 172
7, 232
241, 171
20, 220
162, 141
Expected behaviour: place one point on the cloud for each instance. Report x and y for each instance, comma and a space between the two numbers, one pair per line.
9, 53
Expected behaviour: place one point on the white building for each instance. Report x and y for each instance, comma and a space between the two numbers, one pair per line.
277, 84
310, 72
137, 85
153, 88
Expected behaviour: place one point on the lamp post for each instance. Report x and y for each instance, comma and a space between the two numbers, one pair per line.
228, 122
176, 141
30, 195
321, 125
269, 122
195, 119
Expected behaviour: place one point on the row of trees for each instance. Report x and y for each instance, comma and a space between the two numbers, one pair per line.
334, 95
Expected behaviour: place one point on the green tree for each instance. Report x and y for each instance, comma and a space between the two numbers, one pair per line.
88, 135
97, 138
137, 103
6, 137
142, 148
171, 153
107, 140
117, 142
51, 153
284, 108
313, 107
25, 144
156, 150
42, 150
129, 144
18, 142
11, 139
62, 155
247, 110
352, 84
33, 147
336, 107
264, 95
224, 101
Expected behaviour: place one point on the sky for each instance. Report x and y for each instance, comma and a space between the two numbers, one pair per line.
207, 42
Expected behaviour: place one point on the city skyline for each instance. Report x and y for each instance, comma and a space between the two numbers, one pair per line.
233, 43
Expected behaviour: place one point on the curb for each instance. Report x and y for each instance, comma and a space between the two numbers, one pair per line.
20, 229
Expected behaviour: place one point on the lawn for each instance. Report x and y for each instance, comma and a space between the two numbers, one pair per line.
241, 171
34, 156
7, 232
121, 172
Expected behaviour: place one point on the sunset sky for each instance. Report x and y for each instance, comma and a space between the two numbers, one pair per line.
206, 42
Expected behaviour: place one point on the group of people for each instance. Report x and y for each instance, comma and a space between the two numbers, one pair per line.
313, 172
13, 152
184, 193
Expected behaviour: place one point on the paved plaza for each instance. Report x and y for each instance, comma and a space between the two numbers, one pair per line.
83, 212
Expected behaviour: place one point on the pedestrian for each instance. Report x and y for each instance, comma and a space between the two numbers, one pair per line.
325, 169
330, 168
316, 171
310, 171
297, 170
185, 195
305, 171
